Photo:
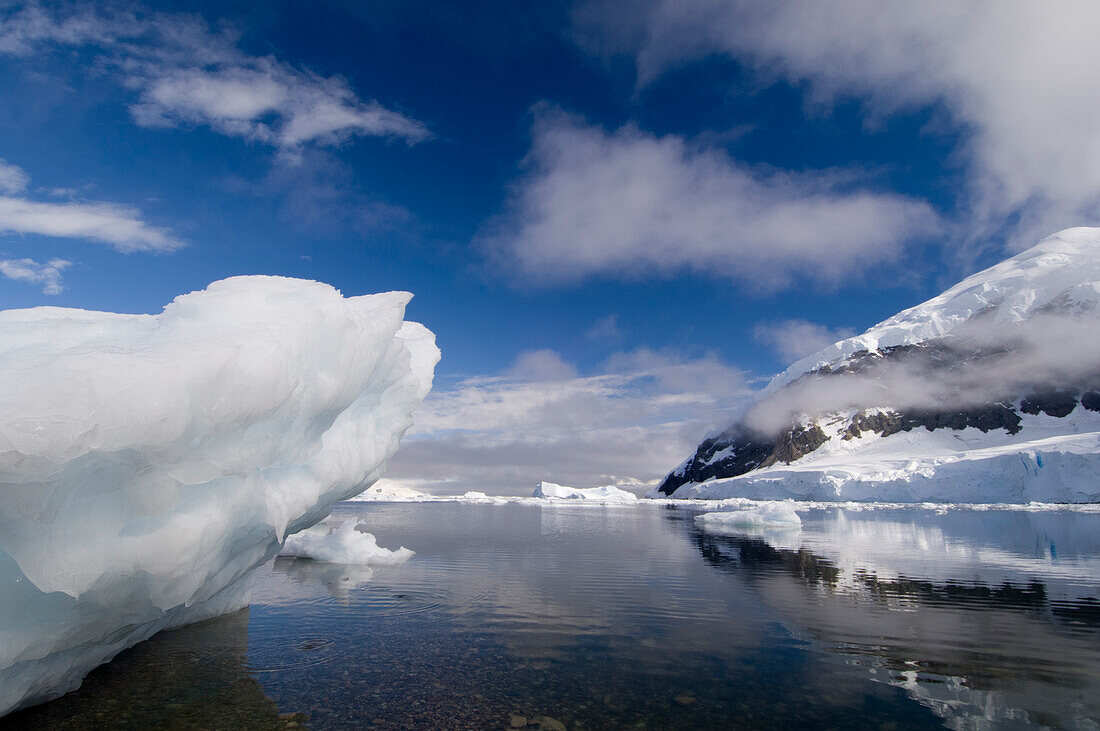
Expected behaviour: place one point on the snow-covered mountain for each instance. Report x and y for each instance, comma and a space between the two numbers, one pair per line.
988, 392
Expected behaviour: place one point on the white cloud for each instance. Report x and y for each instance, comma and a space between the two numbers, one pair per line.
606, 328
120, 227
28, 270
542, 365
627, 202
1018, 79
13, 179
795, 339
628, 425
185, 74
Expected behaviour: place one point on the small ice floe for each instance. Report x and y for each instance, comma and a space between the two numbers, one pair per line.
766, 515
605, 494
475, 495
344, 544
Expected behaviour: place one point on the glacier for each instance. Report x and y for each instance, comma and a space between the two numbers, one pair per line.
148, 463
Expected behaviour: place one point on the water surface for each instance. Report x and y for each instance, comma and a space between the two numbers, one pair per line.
620, 617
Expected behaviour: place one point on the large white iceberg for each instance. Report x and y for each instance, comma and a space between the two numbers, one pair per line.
148, 463
604, 494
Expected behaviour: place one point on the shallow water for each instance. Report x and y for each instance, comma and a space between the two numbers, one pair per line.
619, 617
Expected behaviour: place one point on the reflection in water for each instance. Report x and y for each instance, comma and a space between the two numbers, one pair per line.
609, 617
983, 617
193, 677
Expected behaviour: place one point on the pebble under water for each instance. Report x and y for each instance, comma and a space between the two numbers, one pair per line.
577, 616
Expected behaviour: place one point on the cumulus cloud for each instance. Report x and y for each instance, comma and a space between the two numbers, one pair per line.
795, 339
186, 74
1017, 78
627, 202
28, 270
120, 227
626, 425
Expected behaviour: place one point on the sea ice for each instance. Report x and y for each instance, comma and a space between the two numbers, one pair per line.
148, 463
343, 544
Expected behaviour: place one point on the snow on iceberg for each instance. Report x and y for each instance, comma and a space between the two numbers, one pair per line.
345, 543
149, 462
766, 515
605, 494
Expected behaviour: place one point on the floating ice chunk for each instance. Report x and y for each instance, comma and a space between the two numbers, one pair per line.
606, 494
148, 463
767, 515
475, 495
343, 544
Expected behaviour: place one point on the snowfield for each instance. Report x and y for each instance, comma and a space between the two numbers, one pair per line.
1050, 460
148, 463
1061, 272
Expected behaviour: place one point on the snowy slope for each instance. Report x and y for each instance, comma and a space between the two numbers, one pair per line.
149, 462
1061, 272
1034, 316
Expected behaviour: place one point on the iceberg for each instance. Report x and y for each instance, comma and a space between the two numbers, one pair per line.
345, 543
389, 491
148, 463
605, 494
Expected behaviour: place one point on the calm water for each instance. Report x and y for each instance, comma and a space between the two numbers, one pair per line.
604, 617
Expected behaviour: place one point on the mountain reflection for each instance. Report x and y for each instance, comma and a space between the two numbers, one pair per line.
980, 625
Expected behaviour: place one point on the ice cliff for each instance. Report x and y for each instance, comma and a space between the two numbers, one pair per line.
148, 463
989, 392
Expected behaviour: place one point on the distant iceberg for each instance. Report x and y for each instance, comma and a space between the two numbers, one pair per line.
605, 494
148, 463
389, 491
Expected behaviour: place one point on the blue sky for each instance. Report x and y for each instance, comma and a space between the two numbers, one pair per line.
618, 218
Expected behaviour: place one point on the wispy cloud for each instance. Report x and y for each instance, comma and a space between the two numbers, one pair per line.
28, 270
627, 425
1017, 78
120, 227
795, 339
13, 179
627, 202
604, 329
186, 74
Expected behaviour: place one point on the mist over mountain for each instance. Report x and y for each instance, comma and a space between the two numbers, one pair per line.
991, 361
